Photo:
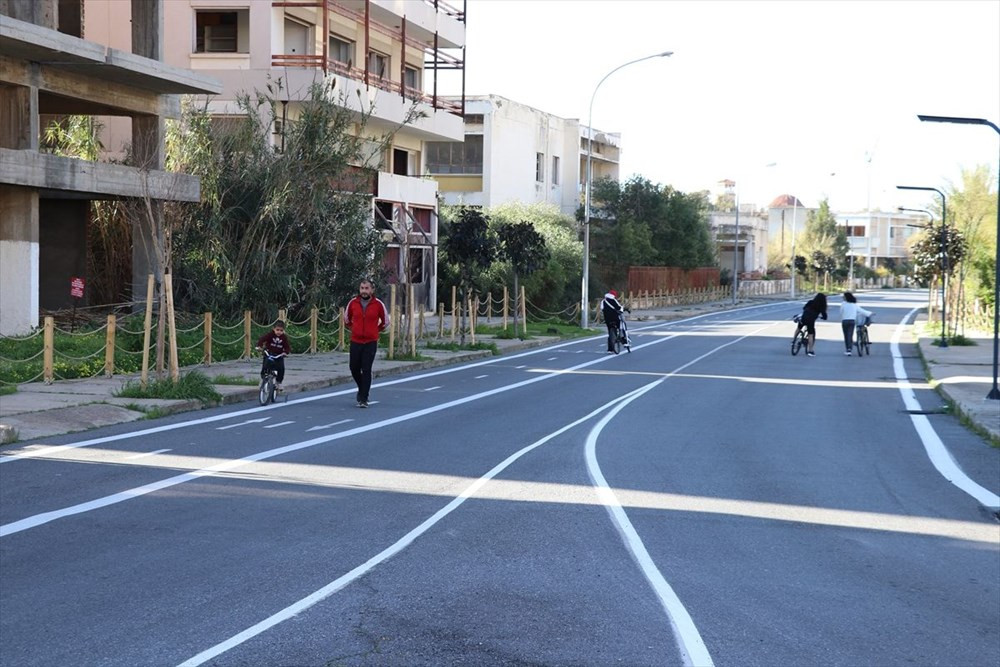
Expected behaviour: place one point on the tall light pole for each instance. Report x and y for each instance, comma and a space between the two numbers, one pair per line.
994, 394
584, 289
736, 248
929, 225
795, 214
944, 254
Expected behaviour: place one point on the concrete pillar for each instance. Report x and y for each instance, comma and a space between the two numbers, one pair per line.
44, 13
19, 117
19, 259
147, 28
147, 226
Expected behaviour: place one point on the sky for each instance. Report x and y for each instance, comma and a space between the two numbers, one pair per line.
813, 98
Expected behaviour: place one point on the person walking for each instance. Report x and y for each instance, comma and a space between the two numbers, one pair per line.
612, 310
366, 316
850, 314
813, 310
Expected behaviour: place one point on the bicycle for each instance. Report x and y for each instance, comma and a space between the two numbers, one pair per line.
621, 336
268, 388
799, 340
861, 340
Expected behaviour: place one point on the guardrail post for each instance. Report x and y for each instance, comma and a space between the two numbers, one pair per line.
506, 301
175, 371
282, 315
146, 331
524, 311
342, 327
313, 330
454, 308
392, 320
208, 338
109, 347
441, 320
48, 343
246, 334
472, 322
413, 325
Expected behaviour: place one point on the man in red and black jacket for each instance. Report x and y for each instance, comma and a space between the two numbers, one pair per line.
366, 316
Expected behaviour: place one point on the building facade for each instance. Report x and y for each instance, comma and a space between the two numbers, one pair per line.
877, 236
384, 58
745, 235
513, 152
48, 71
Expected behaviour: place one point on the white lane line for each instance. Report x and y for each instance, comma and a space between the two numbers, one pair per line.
480, 377
320, 428
129, 494
145, 454
551, 358
279, 424
53, 449
936, 450
521, 366
249, 421
342, 581
432, 388
692, 646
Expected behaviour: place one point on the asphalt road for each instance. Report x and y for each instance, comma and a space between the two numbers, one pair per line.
705, 499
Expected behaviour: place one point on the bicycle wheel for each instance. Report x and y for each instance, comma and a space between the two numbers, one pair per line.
266, 394
618, 342
797, 341
867, 343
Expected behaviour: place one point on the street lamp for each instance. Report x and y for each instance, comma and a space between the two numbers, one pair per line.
584, 289
736, 241
929, 225
944, 253
994, 394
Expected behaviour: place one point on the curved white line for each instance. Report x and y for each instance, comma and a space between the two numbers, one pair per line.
936, 450
403, 542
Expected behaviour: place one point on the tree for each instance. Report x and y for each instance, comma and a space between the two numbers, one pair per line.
524, 248
972, 209
278, 225
469, 248
823, 234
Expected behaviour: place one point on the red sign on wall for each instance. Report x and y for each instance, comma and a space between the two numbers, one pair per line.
76, 288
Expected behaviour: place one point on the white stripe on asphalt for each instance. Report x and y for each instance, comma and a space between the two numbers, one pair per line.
145, 454
939, 455
279, 424
342, 581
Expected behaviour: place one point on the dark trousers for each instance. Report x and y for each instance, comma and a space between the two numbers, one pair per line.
848, 327
277, 364
612, 328
362, 358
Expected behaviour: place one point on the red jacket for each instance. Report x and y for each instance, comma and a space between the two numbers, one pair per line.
366, 323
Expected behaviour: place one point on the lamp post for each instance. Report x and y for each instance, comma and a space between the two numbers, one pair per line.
944, 254
929, 225
736, 248
795, 214
584, 289
994, 394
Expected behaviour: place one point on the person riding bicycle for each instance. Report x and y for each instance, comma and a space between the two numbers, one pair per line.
612, 311
274, 343
814, 309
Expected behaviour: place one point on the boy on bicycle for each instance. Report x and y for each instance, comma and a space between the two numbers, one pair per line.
612, 311
276, 347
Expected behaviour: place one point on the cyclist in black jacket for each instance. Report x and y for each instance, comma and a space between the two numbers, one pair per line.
814, 308
612, 311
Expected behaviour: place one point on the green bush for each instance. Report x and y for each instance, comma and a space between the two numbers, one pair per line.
191, 385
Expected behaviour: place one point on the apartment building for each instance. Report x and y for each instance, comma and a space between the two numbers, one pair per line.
386, 57
513, 152
875, 236
745, 235
47, 70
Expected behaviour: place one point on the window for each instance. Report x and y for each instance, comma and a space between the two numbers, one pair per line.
451, 157
297, 38
555, 170
219, 32
411, 78
473, 119
422, 219
378, 64
540, 167
341, 50
416, 265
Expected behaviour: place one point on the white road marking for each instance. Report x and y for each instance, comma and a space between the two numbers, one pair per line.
936, 450
521, 366
249, 421
144, 454
342, 581
279, 424
319, 428
432, 388
551, 358
480, 377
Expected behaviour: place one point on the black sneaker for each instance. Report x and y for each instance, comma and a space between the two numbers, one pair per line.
363, 404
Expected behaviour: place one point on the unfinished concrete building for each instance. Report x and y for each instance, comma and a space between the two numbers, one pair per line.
47, 70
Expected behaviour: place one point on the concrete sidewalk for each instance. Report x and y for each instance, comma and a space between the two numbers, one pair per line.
962, 374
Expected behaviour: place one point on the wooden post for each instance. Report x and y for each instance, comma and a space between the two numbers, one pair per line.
283, 315
144, 377
472, 323
489, 307
109, 348
175, 371
313, 330
506, 303
454, 308
48, 343
441, 320
208, 338
420, 319
246, 334
524, 312
413, 328
342, 327
392, 320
